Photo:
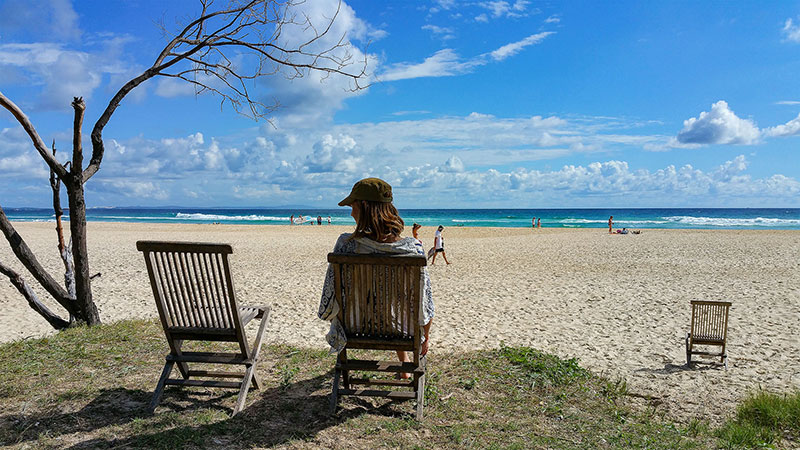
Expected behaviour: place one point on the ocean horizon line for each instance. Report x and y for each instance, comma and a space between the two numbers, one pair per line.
631, 218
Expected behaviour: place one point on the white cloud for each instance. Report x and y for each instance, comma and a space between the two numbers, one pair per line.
516, 47
173, 87
505, 9
482, 18
444, 63
54, 18
791, 31
447, 63
606, 180
130, 189
718, 126
553, 19
445, 4
790, 128
315, 97
333, 155
441, 32
453, 164
788, 102
62, 73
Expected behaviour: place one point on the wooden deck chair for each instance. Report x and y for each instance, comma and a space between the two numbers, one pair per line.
380, 300
709, 328
194, 294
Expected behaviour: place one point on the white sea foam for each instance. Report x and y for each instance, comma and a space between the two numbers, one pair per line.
730, 222
491, 220
565, 221
220, 217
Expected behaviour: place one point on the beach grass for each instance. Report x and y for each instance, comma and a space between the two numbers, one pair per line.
763, 419
89, 388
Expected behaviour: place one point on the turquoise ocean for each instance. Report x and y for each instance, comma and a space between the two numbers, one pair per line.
638, 218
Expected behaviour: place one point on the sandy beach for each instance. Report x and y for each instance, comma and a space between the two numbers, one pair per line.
620, 304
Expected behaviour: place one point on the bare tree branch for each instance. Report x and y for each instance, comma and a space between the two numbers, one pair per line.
77, 147
28, 259
63, 250
38, 143
22, 286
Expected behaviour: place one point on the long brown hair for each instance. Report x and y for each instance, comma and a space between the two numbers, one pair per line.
377, 220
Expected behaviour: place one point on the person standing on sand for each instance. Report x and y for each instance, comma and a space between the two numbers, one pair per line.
291, 220
539, 222
610, 224
378, 228
438, 245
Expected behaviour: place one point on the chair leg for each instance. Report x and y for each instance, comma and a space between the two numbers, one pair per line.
420, 396
335, 391
688, 349
342, 358
257, 347
160, 386
256, 381
250, 372
248, 377
182, 366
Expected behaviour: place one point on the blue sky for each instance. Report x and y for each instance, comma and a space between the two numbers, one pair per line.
471, 104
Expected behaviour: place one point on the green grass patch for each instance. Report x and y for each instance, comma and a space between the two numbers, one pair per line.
89, 387
763, 420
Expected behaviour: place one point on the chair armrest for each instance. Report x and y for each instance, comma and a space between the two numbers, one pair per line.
262, 309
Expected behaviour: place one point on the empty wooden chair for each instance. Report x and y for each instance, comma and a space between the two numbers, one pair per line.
709, 328
380, 300
194, 294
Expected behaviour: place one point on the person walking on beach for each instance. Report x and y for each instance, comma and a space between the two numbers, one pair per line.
533, 222
291, 220
378, 228
438, 245
539, 222
610, 224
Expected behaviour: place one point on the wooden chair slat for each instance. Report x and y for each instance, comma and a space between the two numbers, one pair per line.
192, 303
216, 309
220, 290
171, 288
201, 291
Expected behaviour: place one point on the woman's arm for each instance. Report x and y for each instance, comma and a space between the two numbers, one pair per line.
426, 329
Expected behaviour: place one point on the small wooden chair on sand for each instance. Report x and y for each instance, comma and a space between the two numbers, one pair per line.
380, 300
709, 327
194, 294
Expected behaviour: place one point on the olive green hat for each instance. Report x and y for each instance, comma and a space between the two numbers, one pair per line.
369, 189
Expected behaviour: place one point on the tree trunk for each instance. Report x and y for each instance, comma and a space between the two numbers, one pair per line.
80, 254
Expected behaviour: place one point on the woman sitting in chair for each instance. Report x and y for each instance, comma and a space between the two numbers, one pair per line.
378, 228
